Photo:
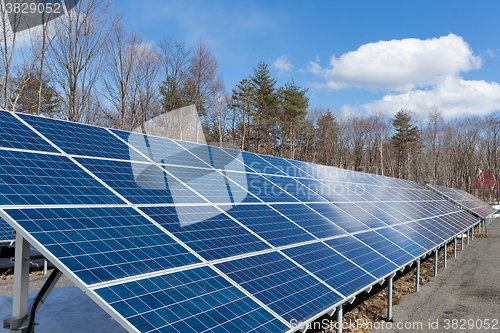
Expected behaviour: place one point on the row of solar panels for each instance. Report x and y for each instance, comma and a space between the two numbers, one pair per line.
170, 236
466, 200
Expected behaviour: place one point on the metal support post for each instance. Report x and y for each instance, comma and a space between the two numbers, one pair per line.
455, 247
340, 314
389, 299
468, 236
462, 241
472, 233
44, 266
445, 254
21, 278
21, 285
436, 262
479, 226
417, 284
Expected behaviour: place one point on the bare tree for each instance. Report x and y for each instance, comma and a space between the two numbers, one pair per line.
125, 52
202, 81
174, 58
144, 100
77, 52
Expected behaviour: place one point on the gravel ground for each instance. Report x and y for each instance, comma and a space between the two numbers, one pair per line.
36, 283
464, 297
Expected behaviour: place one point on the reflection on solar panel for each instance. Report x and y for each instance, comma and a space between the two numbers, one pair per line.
170, 236
466, 200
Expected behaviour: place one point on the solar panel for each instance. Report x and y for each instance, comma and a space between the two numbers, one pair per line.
173, 236
464, 199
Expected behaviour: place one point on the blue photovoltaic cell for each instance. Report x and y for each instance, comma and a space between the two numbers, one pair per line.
389, 209
338, 217
330, 266
402, 241
385, 247
260, 187
192, 301
296, 189
344, 191
434, 225
39, 179
277, 282
162, 150
363, 256
286, 166
357, 211
102, 244
255, 162
269, 224
218, 158
14, 134
209, 183
206, 230
447, 225
406, 208
415, 236
140, 183
331, 194
79, 139
305, 170
6, 232
379, 213
309, 220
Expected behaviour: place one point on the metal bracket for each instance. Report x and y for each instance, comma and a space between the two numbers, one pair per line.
369, 289
22, 320
351, 300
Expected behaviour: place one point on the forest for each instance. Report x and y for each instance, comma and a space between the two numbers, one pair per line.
88, 66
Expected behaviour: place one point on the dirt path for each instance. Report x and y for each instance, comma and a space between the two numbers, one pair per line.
464, 297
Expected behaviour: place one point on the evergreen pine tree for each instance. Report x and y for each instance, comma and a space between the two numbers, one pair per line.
406, 138
265, 110
294, 105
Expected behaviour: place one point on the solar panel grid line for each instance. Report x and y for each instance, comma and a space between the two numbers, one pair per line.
111, 311
464, 200
33, 241
38, 133
73, 160
251, 296
84, 286
213, 267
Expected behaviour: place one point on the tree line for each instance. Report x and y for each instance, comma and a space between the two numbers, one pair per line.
89, 67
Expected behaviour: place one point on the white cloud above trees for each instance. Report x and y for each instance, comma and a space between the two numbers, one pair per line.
283, 65
416, 74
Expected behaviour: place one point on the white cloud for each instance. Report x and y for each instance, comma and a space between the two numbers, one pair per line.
399, 65
454, 97
283, 65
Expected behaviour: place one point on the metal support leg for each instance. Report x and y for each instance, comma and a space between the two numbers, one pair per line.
468, 236
436, 262
44, 266
417, 284
340, 314
445, 254
455, 247
472, 233
389, 299
22, 275
21, 284
462, 242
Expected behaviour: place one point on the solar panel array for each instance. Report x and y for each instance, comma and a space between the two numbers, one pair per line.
170, 236
466, 200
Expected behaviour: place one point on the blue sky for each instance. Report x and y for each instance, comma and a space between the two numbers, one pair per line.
387, 55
